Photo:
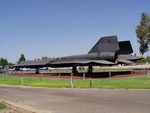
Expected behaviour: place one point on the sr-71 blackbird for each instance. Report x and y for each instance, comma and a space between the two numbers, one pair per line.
107, 51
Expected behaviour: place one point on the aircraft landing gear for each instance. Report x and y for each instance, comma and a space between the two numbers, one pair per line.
74, 70
37, 71
90, 69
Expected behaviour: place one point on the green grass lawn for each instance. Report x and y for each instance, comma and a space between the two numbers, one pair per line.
2, 106
123, 83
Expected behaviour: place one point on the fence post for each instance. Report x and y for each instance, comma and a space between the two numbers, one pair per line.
147, 71
84, 76
109, 74
90, 80
71, 80
22, 81
72, 84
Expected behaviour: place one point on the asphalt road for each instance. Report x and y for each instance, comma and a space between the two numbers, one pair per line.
56, 100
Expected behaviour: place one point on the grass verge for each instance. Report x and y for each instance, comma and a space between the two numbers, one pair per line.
2, 106
123, 83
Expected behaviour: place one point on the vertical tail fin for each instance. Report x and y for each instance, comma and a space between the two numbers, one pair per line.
106, 44
125, 47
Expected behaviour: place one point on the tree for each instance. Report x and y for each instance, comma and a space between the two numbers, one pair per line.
44, 57
10, 64
22, 58
3, 62
144, 60
143, 33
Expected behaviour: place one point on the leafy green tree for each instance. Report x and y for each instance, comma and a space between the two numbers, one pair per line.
3, 62
144, 60
10, 64
143, 33
44, 57
22, 58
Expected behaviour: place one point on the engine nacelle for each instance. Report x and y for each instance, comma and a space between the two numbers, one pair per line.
107, 56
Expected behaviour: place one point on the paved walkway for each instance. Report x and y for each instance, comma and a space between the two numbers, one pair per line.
56, 100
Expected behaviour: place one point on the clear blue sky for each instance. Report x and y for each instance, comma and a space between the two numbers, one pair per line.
56, 28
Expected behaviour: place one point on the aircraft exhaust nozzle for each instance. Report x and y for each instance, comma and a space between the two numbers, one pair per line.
107, 56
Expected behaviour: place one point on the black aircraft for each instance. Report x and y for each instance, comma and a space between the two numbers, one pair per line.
107, 51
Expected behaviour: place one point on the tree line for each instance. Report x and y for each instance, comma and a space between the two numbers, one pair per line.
4, 62
144, 60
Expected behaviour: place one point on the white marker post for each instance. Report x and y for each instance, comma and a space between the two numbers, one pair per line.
109, 72
83, 76
22, 81
71, 80
90, 80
